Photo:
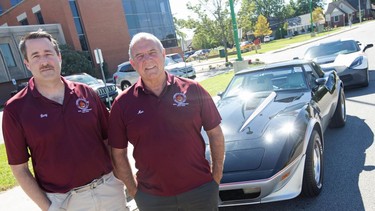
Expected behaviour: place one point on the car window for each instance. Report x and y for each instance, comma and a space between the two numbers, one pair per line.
127, 68
275, 79
332, 48
86, 79
169, 61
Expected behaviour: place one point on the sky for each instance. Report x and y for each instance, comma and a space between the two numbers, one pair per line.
179, 9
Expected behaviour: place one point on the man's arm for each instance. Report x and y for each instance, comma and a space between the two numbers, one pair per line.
123, 171
217, 148
28, 183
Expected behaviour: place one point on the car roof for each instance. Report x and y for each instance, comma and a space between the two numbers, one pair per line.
124, 63
275, 64
334, 41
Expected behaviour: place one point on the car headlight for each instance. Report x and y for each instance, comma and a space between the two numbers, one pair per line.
357, 62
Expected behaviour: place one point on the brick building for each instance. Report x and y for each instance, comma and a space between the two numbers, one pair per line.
87, 25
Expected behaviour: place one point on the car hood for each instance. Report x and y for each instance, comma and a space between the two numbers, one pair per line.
325, 59
246, 126
180, 65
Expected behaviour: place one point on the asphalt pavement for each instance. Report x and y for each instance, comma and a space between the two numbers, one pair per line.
15, 199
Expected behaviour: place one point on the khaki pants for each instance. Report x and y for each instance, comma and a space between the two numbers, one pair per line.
106, 193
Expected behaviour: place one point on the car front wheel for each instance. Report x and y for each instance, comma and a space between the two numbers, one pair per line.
125, 85
339, 117
313, 173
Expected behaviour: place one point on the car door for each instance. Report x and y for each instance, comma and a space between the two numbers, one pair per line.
324, 93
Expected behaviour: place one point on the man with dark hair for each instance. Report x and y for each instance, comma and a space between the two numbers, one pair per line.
62, 127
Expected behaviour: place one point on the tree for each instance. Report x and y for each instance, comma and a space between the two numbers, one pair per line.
213, 26
268, 8
246, 16
262, 27
303, 6
318, 15
75, 61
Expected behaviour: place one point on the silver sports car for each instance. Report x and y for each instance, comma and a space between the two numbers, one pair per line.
273, 120
344, 56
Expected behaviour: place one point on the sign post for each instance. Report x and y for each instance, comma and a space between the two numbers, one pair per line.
99, 60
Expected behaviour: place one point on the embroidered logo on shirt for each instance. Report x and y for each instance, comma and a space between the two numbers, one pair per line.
140, 112
43, 115
83, 105
179, 99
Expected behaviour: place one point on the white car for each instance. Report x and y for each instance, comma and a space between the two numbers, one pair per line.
347, 57
181, 69
125, 76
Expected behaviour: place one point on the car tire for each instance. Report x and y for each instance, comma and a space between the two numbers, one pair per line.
367, 82
339, 117
125, 85
313, 173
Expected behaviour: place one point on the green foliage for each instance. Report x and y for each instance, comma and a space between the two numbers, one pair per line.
246, 17
262, 27
7, 179
75, 61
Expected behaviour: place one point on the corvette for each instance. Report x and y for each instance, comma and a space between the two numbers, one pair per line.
344, 56
273, 120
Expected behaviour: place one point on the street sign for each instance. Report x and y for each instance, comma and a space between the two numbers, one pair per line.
98, 56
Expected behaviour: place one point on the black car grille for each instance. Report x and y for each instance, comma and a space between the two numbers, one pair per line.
238, 194
101, 91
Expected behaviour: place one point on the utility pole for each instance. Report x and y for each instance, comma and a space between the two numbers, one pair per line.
359, 10
311, 20
235, 30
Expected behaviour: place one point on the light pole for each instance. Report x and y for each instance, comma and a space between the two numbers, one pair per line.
235, 30
359, 10
311, 20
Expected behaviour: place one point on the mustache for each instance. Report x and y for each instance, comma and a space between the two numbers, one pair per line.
47, 66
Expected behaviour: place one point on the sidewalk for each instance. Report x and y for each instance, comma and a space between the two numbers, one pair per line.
16, 199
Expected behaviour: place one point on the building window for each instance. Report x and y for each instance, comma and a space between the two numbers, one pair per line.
24, 22
14, 2
1, 10
7, 54
78, 24
39, 17
336, 19
152, 16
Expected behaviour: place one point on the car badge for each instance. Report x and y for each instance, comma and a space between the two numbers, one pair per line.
179, 99
83, 105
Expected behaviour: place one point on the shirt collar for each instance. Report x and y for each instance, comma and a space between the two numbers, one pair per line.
68, 85
140, 86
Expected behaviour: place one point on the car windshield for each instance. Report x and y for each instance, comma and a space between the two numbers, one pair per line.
275, 79
86, 79
332, 48
169, 61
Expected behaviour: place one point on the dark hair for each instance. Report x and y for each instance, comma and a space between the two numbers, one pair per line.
37, 35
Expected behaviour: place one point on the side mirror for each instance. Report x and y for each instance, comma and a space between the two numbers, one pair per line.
368, 46
320, 81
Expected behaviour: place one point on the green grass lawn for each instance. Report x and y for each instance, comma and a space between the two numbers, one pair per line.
7, 180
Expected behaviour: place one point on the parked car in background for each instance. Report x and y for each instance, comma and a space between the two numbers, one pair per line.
347, 57
273, 120
246, 46
98, 85
176, 57
181, 69
268, 38
187, 54
125, 76
200, 54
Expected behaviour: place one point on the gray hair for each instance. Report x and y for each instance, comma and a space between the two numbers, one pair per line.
144, 36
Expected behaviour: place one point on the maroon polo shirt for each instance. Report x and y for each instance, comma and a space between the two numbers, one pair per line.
64, 141
169, 149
